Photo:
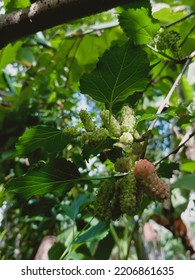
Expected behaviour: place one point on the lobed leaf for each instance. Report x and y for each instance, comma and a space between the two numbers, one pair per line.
139, 25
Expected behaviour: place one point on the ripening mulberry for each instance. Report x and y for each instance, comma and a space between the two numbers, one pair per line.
147, 178
110, 123
86, 119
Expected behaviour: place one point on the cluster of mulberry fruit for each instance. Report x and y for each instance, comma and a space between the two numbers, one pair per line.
124, 196
148, 179
122, 130
168, 40
117, 197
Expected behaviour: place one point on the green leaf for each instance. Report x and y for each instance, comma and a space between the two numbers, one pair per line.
12, 5
46, 137
96, 232
120, 72
165, 116
139, 25
166, 15
186, 182
8, 53
56, 251
56, 176
166, 169
73, 209
25, 56
188, 166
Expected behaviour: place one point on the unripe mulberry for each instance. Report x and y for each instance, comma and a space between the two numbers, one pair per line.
137, 148
71, 131
95, 137
89, 125
116, 198
147, 177
123, 164
102, 207
126, 138
110, 123
127, 197
127, 119
106, 205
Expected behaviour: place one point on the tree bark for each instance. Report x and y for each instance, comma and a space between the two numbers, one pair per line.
48, 13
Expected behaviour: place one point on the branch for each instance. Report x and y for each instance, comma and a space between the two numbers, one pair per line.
183, 142
48, 13
167, 98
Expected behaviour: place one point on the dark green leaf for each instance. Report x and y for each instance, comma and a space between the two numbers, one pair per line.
138, 4
104, 248
46, 137
139, 25
94, 233
120, 72
55, 176
89, 150
56, 251
166, 169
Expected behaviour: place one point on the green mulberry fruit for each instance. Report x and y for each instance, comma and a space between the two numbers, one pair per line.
103, 203
111, 123
127, 119
71, 131
86, 119
126, 138
95, 137
123, 164
127, 197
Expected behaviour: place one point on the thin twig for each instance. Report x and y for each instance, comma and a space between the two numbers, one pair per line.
178, 21
167, 98
177, 149
91, 29
161, 53
187, 35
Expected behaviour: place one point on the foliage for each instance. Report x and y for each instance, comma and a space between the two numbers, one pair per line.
68, 172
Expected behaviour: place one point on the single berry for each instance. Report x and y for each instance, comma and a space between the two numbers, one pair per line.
126, 138
127, 119
86, 119
110, 123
